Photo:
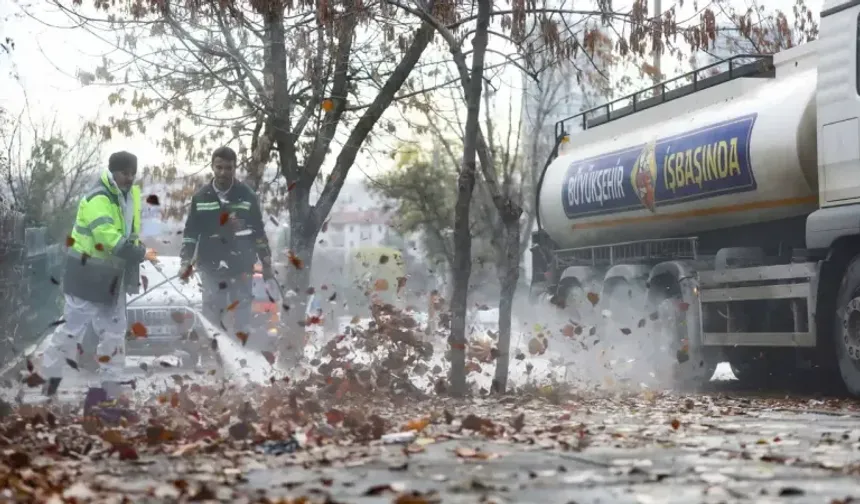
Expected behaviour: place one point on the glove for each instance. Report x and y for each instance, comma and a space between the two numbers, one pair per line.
268, 273
140, 252
132, 252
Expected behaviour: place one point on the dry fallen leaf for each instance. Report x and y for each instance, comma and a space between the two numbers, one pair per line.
518, 422
34, 380
476, 423
536, 346
113, 437
186, 273
186, 449
381, 284
334, 416
470, 453
243, 337
416, 497
270, 357
239, 431
139, 330
593, 298
417, 425
295, 260
127, 452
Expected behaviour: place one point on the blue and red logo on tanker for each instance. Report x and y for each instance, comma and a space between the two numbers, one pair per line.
703, 163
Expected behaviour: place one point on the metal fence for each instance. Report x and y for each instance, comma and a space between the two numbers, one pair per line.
29, 273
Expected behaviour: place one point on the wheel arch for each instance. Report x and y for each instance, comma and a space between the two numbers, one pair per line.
573, 276
630, 273
831, 274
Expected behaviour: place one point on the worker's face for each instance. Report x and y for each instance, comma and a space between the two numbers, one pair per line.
124, 178
224, 171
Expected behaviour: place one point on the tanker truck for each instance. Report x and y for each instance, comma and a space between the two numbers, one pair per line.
730, 198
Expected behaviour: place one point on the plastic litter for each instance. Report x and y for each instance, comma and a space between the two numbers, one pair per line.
399, 437
279, 447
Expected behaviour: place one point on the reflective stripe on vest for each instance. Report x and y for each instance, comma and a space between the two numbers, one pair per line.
204, 206
88, 230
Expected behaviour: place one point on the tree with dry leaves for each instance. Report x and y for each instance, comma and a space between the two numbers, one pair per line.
299, 85
45, 170
756, 28
636, 35
556, 38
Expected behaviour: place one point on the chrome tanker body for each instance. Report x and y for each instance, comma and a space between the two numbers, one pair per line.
732, 196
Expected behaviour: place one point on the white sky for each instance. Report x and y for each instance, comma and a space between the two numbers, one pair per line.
46, 59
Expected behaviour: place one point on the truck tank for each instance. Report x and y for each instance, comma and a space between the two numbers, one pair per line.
749, 159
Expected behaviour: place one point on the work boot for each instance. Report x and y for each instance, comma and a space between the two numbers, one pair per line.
50, 388
100, 405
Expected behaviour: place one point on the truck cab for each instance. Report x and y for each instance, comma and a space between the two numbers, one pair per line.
723, 206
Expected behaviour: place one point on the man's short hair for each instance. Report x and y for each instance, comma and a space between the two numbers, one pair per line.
225, 153
122, 161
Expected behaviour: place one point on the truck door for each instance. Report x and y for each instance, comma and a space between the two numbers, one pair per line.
838, 100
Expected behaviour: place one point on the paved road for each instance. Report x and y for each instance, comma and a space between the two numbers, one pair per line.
599, 450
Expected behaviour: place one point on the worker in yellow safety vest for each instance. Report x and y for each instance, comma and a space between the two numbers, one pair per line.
102, 266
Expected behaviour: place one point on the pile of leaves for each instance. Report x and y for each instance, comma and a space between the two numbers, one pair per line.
380, 359
44, 449
393, 354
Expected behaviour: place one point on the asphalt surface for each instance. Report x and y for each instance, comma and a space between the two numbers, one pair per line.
727, 445
705, 448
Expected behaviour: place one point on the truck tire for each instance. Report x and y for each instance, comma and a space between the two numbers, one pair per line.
846, 328
574, 301
693, 367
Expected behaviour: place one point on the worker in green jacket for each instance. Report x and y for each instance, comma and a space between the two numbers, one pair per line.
102, 266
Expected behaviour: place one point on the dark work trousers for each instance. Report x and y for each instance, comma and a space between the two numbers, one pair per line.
219, 295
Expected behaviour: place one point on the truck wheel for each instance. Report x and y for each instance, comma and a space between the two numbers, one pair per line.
574, 300
693, 367
847, 327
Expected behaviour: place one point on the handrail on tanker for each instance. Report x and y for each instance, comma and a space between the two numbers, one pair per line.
664, 96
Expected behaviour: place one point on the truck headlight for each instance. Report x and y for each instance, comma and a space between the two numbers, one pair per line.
273, 331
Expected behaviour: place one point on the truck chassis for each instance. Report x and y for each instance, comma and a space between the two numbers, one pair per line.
771, 317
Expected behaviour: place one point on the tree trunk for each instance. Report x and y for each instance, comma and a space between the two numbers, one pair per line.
509, 275
462, 272
303, 235
465, 187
